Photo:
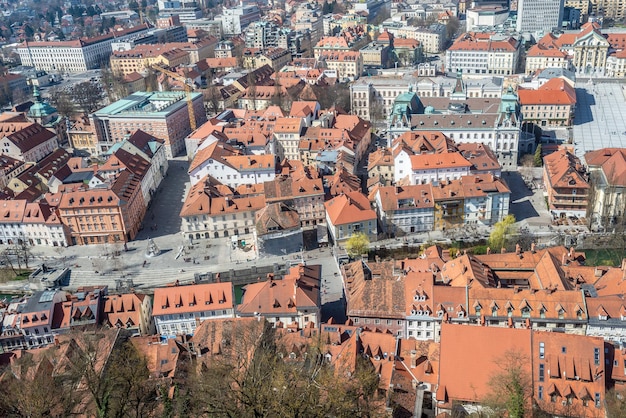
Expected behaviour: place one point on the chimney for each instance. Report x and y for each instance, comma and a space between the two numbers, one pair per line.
518, 249
532, 247
488, 250
572, 253
564, 259
623, 264
502, 250
413, 359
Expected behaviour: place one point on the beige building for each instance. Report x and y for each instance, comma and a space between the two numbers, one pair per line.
546, 54
82, 136
276, 58
432, 39
287, 135
616, 65
588, 47
552, 104
142, 57
297, 187
584, 6
347, 64
613, 9
206, 215
375, 55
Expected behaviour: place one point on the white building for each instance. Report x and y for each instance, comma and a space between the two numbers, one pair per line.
74, 56
406, 209
30, 223
484, 53
178, 309
539, 15
235, 20
27, 142
287, 136
430, 168
228, 166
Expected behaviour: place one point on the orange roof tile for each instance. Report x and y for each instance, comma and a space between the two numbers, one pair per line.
470, 355
349, 208
192, 298
299, 289
554, 92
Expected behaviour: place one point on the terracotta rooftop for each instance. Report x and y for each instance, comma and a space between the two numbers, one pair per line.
612, 162
349, 208
471, 355
193, 298
374, 290
298, 290
556, 91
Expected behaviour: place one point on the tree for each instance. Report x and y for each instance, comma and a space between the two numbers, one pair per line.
212, 98
357, 244
501, 231
511, 386
615, 404
452, 26
251, 378
538, 158
32, 389
377, 111
62, 101
87, 95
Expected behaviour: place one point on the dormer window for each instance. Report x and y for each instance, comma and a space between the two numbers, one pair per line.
461, 314
602, 317
478, 310
561, 313
542, 312
494, 311
526, 312
509, 312
416, 297
439, 314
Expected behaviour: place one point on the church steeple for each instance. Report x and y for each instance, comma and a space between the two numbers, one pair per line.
459, 87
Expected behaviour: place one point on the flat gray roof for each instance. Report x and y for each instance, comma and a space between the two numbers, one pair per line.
600, 120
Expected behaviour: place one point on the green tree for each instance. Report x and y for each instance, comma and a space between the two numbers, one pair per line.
357, 244
500, 232
538, 160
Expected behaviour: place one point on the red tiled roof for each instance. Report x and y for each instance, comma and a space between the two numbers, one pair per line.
193, 298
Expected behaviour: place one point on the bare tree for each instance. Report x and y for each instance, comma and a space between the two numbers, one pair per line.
511, 387
87, 96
